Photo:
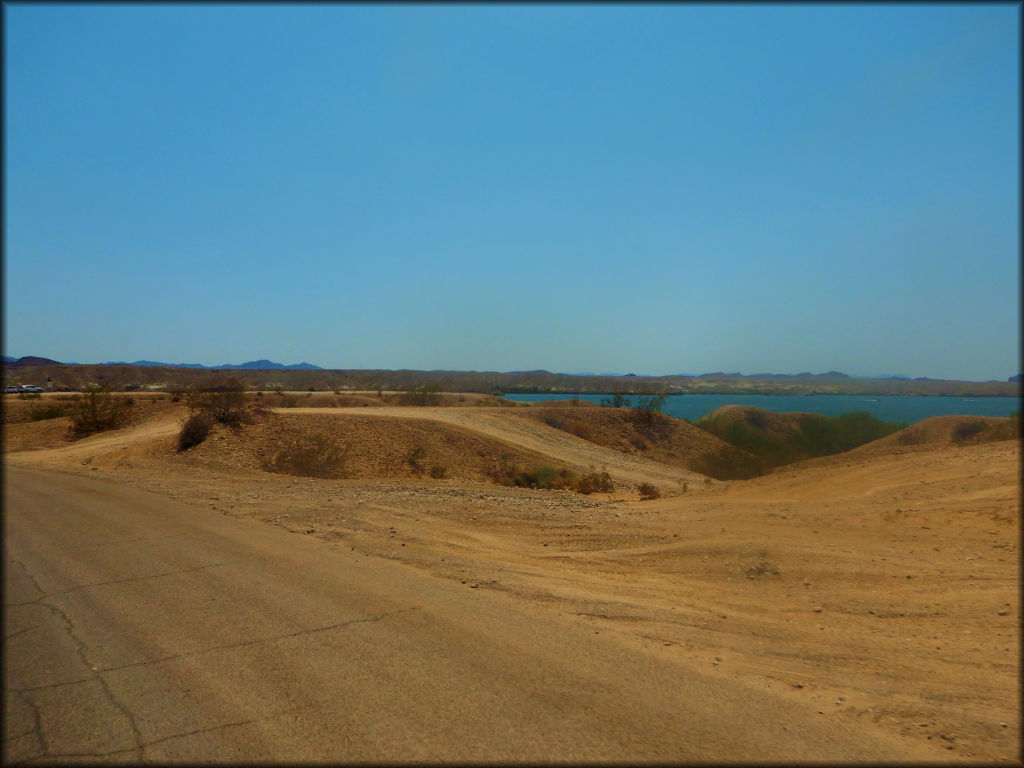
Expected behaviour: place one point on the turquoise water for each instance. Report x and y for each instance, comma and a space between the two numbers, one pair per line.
903, 409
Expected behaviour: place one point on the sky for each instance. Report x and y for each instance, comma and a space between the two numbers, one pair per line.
649, 189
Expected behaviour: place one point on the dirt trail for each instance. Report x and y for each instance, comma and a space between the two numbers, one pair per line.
104, 443
505, 425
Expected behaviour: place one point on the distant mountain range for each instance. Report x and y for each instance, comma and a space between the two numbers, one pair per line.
717, 376
252, 365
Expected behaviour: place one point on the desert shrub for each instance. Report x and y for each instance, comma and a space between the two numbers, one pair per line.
42, 412
427, 393
539, 476
554, 421
910, 437
763, 567
177, 390
439, 471
30, 396
195, 429
413, 458
648, 491
966, 430
309, 456
259, 408
594, 482
96, 410
507, 472
646, 407
224, 401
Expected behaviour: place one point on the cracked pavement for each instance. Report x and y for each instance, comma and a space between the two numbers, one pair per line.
140, 628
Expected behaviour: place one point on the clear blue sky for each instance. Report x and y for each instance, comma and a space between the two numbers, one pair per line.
648, 189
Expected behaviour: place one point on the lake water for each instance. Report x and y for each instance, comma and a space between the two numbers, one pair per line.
905, 409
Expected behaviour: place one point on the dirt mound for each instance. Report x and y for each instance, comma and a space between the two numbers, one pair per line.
574, 403
32, 435
758, 418
343, 399
653, 436
24, 409
947, 430
362, 447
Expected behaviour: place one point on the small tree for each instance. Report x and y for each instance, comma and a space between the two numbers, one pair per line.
645, 409
96, 410
616, 400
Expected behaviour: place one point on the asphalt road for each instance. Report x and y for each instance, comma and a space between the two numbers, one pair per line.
139, 628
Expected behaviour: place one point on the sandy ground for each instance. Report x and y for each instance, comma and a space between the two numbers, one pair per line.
880, 589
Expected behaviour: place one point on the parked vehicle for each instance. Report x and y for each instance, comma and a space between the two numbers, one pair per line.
11, 390
31, 388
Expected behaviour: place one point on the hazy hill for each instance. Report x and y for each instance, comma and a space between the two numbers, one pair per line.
266, 374
30, 360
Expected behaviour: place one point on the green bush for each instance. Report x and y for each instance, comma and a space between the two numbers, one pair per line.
595, 482
534, 476
96, 410
547, 477
44, 412
538, 476
966, 430
439, 471
648, 491
814, 436
194, 431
